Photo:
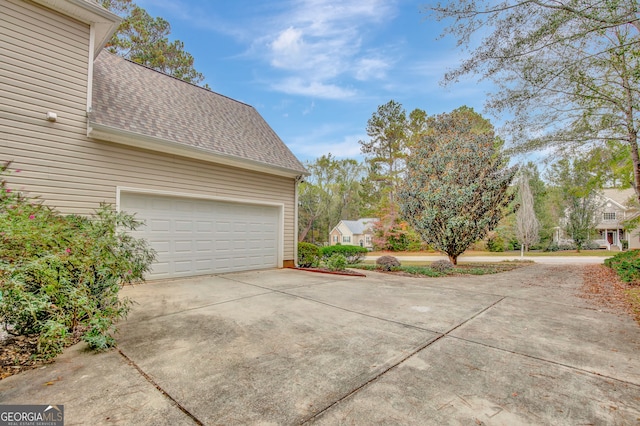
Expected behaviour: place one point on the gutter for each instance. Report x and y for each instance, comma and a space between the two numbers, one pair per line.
111, 134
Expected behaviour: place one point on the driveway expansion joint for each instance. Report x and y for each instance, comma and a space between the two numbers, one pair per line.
559, 364
164, 393
395, 365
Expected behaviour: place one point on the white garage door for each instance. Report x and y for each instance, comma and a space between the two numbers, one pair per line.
195, 237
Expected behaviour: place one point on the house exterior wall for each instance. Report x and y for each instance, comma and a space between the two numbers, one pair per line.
341, 230
606, 222
335, 237
345, 234
45, 67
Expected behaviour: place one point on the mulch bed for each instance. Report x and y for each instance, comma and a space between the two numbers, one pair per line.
602, 286
348, 272
17, 353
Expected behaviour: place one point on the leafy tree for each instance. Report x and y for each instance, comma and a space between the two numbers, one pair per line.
457, 184
577, 185
312, 205
546, 203
387, 148
331, 193
391, 133
527, 224
581, 222
612, 164
144, 40
394, 234
567, 70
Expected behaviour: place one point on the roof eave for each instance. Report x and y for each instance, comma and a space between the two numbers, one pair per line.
115, 135
105, 23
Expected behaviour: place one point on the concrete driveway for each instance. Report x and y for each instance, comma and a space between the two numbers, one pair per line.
293, 347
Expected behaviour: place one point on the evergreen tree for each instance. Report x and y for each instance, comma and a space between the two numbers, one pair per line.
144, 40
457, 184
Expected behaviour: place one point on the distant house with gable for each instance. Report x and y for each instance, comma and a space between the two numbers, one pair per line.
616, 207
353, 232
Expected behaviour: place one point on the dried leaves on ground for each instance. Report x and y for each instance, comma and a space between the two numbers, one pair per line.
18, 353
602, 286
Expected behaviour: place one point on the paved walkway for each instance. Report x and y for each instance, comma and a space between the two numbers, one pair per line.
293, 347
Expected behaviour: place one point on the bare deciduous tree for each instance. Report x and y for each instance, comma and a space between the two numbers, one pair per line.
527, 224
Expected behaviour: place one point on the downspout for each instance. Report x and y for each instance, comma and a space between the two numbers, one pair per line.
295, 220
92, 41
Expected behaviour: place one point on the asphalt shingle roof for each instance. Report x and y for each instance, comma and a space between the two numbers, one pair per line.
620, 196
136, 99
358, 227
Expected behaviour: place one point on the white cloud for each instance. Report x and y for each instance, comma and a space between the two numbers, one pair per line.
317, 46
324, 139
308, 110
371, 68
311, 148
287, 48
317, 41
299, 86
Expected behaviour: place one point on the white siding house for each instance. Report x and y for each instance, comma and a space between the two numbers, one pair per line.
214, 183
353, 232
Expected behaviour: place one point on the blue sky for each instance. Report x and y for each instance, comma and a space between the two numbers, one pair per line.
316, 70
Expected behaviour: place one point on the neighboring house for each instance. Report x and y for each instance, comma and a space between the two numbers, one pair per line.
353, 232
615, 209
215, 185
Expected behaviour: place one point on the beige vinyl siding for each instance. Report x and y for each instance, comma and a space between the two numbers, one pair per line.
44, 67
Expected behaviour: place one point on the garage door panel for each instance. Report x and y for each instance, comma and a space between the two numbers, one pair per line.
184, 246
158, 204
204, 247
204, 226
158, 225
184, 225
183, 266
161, 268
193, 236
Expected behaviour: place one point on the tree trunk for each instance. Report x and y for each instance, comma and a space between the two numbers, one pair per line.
453, 259
633, 142
306, 229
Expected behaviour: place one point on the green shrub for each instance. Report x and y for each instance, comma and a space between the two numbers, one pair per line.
514, 244
495, 244
387, 263
354, 254
553, 247
420, 271
625, 244
308, 255
567, 246
60, 275
441, 265
626, 264
336, 262
590, 245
